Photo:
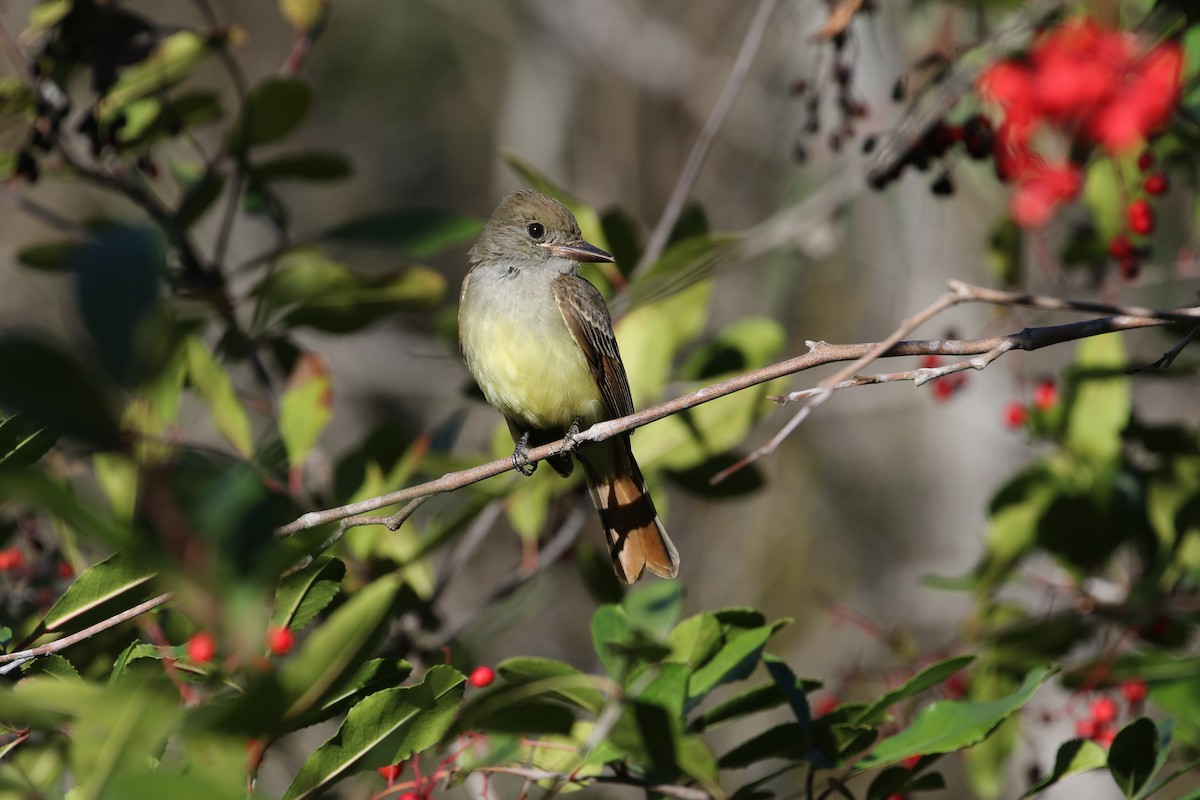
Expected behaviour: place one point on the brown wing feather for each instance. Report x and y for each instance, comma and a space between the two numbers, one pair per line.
586, 315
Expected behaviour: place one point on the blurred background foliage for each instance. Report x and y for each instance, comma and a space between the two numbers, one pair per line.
233, 237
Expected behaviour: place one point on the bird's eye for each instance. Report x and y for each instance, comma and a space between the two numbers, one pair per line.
536, 230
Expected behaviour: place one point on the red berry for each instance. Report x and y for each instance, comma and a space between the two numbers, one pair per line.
65, 570
1156, 184
1141, 217
943, 390
1134, 690
931, 362
1015, 416
1045, 396
202, 647
1105, 737
483, 676
1120, 247
10, 559
391, 772
1085, 728
1145, 160
955, 686
911, 761
280, 641
409, 796
1104, 711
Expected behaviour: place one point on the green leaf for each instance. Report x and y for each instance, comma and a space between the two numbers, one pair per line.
23, 441
925, 679
309, 289
303, 14
695, 640
125, 724
417, 232
214, 385
1166, 730
338, 646
304, 594
161, 783
782, 741
56, 390
611, 625
1100, 408
172, 60
173, 116
1133, 756
373, 676
794, 689
305, 407
117, 277
533, 717
654, 607
99, 586
315, 167
527, 669
736, 659
667, 688
54, 666
49, 256
1074, 756
385, 728
134, 652
948, 725
759, 698
274, 109
199, 198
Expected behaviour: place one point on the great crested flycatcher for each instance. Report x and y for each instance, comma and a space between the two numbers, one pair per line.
539, 341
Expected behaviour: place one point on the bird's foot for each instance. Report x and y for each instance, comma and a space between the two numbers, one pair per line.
520, 456
570, 443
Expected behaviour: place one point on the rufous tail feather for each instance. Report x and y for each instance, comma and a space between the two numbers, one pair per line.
637, 540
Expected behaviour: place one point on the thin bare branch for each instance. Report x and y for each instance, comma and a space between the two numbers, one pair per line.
822, 353
695, 160
1168, 358
12, 661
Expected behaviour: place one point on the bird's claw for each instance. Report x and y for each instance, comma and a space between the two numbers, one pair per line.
520, 457
570, 443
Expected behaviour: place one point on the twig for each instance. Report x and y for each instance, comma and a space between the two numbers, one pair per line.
1125, 318
695, 160
480, 527
18, 658
1168, 358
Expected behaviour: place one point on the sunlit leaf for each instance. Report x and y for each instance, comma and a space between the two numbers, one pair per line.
1073, 757
385, 728
305, 407
949, 725
214, 385
115, 577
171, 61
925, 679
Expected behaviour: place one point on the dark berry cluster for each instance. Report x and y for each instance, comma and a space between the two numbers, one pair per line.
849, 106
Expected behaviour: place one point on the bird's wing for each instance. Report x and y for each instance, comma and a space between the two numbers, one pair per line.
586, 315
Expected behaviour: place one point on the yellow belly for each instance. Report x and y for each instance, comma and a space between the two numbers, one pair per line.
532, 372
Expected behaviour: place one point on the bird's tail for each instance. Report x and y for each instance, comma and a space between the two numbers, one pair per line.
636, 538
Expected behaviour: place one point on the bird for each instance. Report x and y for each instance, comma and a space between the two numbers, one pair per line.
538, 339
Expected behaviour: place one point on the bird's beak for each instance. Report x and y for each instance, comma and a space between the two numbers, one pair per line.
580, 251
